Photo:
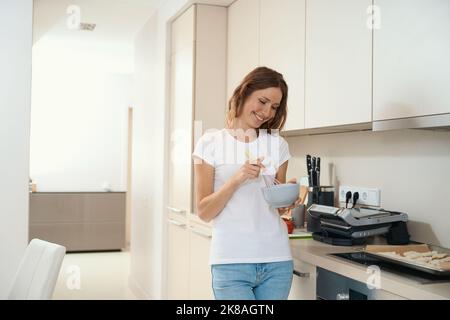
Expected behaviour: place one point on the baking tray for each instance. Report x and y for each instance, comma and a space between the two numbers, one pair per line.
369, 250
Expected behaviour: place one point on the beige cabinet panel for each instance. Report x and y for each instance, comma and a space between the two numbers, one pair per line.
56, 207
210, 69
243, 41
177, 260
282, 47
411, 59
80, 221
303, 282
86, 236
338, 77
200, 286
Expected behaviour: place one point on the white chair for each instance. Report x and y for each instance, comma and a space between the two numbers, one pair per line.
38, 271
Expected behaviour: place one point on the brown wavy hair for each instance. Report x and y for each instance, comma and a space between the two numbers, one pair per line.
259, 79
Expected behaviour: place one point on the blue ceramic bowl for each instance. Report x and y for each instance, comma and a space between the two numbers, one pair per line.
281, 195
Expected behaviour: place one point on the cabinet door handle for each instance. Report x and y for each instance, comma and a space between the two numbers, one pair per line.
200, 233
175, 210
301, 274
177, 223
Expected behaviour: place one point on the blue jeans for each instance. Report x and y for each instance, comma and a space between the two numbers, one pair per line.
252, 281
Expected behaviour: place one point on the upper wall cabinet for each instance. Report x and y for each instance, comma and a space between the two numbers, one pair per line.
269, 33
411, 59
338, 63
282, 47
243, 41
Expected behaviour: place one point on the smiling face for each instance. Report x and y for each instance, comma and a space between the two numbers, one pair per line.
259, 101
259, 108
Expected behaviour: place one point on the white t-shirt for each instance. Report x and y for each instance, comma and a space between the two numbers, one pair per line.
247, 230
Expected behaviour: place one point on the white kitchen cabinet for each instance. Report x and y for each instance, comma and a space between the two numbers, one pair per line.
200, 287
178, 259
197, 102
197, 94
181, 123
210, 101
411, 59
181, 118
183, 30
303, 282
243, 41
282, 47
338, 78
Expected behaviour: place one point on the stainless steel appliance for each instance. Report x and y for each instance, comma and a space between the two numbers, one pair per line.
350, 226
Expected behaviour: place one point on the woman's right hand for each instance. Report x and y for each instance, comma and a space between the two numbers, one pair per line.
250, 170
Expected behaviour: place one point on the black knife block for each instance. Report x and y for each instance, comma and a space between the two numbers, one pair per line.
323, 195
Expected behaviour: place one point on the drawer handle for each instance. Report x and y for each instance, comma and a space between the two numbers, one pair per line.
301, 274
200, 233
177, 223
175, 210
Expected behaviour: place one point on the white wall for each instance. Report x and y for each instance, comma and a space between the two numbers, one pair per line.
143, 250
411, 167
80, 98
15, 92
149, 142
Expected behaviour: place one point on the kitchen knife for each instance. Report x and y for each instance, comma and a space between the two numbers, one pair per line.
313, 171
308, 168
318, 172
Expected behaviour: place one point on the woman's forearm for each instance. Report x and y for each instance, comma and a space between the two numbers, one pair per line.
210, 206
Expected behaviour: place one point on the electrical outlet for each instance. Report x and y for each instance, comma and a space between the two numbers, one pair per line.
367, 196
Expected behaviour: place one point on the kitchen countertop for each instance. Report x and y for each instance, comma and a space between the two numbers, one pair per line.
317, 253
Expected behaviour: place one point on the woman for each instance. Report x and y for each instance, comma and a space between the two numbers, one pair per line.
250, 255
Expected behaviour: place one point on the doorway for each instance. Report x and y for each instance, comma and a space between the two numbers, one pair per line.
82, 129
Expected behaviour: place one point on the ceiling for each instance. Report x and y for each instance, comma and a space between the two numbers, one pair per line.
117, 21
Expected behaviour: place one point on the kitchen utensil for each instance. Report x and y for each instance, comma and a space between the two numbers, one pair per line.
281, 195
308, 168
313, 171
318, 172
267, 180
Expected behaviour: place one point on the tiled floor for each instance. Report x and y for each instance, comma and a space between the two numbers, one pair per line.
94, 276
